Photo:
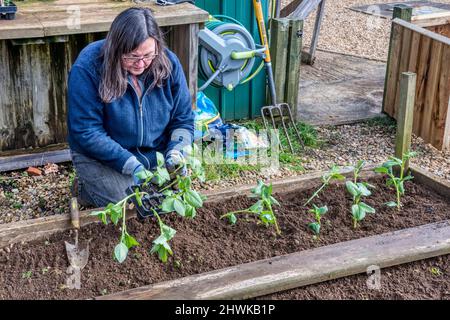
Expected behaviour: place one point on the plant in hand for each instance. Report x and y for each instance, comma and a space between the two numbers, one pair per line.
396, 181
262, 208
318, 213
184, 202
333, 174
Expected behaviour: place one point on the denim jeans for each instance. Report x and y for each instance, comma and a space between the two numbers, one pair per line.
99, 184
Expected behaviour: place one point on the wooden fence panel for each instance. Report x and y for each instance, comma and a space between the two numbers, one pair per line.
415, 49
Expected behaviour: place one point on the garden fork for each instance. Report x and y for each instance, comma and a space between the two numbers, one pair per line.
269, 110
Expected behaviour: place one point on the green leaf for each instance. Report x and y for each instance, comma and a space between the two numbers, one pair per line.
352, 188
257, 191
382, 170
193, 198
274, 201
115, 213
160, 159
408, 178
315, 227
191, 212
129, 241
163, 174
257, 207
167, 232
120, 252
179, 207
357, 213
137, 195
366, 208
391, 204
322, 210
144, 174
232, 218
267, 217
167, 205
363, 190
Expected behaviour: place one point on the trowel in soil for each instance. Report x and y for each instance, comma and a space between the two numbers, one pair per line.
78, 256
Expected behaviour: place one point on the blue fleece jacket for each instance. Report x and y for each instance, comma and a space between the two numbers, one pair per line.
125, 133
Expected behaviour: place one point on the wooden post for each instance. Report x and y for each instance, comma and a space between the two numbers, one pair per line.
405, 114
184, 43
315, 37
404, 13
293, 64
278, 52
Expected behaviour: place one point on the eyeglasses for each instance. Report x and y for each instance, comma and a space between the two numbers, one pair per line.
135, 60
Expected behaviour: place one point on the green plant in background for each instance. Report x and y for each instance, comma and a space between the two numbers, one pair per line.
185, 203
333, 174
318, 213
262, 208
398, 182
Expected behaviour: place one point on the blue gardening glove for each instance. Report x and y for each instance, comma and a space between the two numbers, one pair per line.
175, 164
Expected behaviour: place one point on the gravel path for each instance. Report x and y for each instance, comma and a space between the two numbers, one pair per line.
25, 197
351, 32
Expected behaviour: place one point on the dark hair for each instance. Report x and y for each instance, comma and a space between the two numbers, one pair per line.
129, 30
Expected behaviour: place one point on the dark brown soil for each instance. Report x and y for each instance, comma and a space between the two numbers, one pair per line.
38, 270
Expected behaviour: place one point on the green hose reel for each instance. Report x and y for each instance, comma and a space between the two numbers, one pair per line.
227, 53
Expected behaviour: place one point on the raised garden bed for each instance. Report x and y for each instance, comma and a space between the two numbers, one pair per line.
206, 243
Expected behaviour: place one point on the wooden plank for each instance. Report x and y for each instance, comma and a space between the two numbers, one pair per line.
440, 117
304, 9
302, 268
422, 31
294, 64
390, 86
431, 91
422, 75
289, 8
316, 32
405, 114
33, 229
443, 30
432, 22
279, 54
431, 181
49, 19
184, 43
414, 52
33, 160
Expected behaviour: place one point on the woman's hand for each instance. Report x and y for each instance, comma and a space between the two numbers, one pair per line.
175, 164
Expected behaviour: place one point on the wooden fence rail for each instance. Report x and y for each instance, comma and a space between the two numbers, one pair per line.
421, 51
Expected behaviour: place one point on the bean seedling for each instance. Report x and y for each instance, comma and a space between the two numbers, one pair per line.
262, 208
333, 174
185, 203
393, 180
359, 208
318, 213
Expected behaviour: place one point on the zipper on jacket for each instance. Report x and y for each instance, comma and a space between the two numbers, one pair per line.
141, 120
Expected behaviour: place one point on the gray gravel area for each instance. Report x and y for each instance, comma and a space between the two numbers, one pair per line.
25, 197
349, 32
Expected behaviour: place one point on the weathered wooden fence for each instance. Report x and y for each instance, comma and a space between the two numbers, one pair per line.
421, 51
38, 49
